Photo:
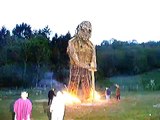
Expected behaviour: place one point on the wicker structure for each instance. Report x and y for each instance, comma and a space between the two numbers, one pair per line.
82, 60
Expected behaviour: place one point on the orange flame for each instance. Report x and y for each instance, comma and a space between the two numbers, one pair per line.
70, 99
95, 96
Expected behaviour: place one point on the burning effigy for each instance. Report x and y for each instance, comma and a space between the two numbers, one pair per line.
82, 56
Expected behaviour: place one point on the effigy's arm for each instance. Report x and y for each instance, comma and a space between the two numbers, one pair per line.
71, 52
93, 62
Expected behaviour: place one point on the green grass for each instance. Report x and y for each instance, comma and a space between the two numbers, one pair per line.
133, 106
128, 83
137, 82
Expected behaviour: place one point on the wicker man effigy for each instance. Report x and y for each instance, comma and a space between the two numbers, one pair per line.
82, 60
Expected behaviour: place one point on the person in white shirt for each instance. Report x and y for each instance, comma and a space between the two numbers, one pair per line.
57, 107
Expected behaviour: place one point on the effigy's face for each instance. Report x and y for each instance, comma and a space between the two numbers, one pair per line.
84, 30
86, 34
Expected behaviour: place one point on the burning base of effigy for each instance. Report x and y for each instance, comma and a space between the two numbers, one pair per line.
73, 100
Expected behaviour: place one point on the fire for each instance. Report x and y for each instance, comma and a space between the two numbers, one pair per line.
70, 99
95, 96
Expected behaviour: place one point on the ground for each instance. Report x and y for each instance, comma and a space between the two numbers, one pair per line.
132, 106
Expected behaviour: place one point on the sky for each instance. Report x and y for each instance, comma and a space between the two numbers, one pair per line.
123, 20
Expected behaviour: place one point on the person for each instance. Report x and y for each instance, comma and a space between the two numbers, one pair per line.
82, 56
117, 92
57, 107
51, 94
12, 109
23, 107
108, 93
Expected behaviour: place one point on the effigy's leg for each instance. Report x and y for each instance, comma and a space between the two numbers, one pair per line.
86, 82
74, 80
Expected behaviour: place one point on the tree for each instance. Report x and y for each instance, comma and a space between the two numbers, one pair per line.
22, 31
4, 36
45, 32
105, 43
40, 54
60, 57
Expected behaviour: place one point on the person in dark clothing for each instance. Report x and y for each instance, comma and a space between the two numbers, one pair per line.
117, 92
108, 93
51, 94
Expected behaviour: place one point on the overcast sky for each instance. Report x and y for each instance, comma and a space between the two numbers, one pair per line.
120, 19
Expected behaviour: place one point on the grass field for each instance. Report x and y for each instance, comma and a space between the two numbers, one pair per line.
133, 106
136, 103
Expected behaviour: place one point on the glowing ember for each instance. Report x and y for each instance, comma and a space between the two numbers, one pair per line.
70, 99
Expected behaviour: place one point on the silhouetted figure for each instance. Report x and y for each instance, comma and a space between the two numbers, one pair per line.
51, 94
12, 109
108, 93
117, 92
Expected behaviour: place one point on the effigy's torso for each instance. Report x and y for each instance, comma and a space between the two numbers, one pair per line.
84, 51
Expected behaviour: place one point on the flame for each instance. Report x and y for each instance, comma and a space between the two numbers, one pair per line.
95, 96
70, 99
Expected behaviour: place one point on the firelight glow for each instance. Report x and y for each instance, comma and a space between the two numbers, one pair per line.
72, 99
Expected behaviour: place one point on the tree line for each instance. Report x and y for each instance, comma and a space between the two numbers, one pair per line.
27, 54
127, 58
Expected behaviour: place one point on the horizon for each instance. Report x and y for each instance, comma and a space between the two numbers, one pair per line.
59, 34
